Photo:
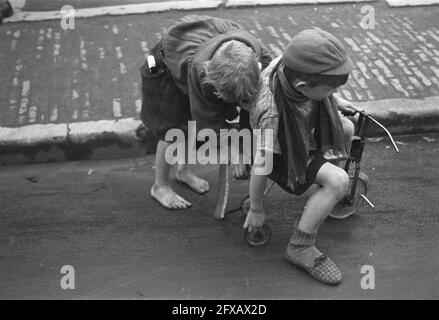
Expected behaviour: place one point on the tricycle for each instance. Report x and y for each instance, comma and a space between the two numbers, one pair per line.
343, 209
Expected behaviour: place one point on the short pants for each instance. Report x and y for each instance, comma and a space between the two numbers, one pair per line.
164, 105
279, 173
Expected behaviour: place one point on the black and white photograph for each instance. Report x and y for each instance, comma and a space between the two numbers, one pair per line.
219, 155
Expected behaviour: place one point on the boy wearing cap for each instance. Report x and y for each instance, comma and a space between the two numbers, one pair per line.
295, 101
205, 67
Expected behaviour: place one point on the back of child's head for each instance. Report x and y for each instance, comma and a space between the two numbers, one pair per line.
318, 58
233, 71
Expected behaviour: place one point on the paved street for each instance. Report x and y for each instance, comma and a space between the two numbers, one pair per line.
51, 75
96, 217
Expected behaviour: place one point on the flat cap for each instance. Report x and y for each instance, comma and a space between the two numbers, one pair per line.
315, 51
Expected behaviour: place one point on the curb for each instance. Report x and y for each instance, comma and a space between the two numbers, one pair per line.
184, 5
106, 139
404, 116
90, 140
154, 7
406, 3
253, 3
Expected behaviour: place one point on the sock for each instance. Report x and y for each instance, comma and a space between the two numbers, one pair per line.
301, 249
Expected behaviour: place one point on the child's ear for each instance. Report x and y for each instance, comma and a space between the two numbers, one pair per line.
205, 66
299, 85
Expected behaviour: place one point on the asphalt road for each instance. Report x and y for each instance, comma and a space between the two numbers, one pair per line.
97, 217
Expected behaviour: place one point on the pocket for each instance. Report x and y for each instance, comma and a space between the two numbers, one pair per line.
151, 87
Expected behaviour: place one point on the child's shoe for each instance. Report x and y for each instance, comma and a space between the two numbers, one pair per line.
301, 252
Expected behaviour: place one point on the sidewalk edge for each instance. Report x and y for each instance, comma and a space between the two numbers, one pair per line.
155, 7
117, 139
151, 7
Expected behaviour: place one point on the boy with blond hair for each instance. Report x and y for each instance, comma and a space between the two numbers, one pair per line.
204, 68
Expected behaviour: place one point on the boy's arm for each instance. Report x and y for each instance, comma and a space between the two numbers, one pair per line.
340, 100
266, 56
343, 105
256, 214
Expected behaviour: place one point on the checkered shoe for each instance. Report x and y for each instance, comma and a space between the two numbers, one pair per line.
325, 271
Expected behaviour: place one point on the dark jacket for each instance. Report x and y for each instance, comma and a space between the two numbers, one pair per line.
189, 43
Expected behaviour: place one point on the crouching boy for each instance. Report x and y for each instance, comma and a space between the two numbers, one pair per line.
295, 101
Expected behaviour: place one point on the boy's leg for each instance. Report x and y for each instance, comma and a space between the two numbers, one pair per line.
187, 177
301, 251
334, 184
161, 189
164, 107
348, 131
240, 169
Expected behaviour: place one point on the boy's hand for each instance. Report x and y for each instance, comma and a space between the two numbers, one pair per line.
347, 111
241, 171
254, 220
345, 106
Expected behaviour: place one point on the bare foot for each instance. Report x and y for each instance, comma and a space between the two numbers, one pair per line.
199, 185
240, 171
168, 198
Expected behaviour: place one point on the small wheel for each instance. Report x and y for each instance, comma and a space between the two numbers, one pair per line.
245, 203
259, 237
343, 210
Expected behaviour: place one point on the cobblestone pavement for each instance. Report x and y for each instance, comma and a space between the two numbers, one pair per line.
51, 75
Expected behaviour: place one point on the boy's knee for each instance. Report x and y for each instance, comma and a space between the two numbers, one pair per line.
348, 129
339, 183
